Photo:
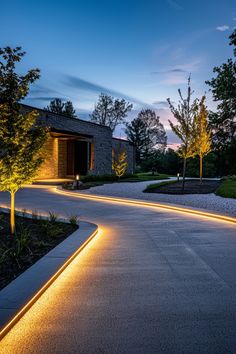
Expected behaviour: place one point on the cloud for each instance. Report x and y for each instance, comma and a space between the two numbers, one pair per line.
84, 85
222, 28
163, 104
177, 70
45, 98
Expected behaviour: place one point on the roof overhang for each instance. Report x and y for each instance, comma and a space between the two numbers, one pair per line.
65, 135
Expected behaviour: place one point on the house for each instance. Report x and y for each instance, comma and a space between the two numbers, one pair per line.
77, 146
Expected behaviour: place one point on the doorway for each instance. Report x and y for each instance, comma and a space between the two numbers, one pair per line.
77, 157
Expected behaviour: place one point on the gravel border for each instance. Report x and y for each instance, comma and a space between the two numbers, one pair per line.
134, 190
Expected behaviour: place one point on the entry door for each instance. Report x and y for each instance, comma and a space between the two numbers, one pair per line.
81, 157
77, 157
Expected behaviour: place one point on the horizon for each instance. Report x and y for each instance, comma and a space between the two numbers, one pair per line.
133, 50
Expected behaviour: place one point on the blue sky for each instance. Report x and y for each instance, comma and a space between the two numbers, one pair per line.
142, 50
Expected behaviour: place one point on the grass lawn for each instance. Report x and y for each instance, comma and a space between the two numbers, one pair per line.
227, 189
144, 176
94, 181
33, 239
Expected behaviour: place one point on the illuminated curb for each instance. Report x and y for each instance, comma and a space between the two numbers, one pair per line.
49, 282
124, 201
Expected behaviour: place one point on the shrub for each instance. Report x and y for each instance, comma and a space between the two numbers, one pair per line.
73, 219
52, 216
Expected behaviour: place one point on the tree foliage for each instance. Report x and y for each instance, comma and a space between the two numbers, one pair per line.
136, 132
119, 163
223, 88
60, 107
21, 137
184, 114
110, 112
201, 133
147, 134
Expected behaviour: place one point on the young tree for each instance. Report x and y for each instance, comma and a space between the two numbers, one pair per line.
119, 163
184, 114
109, 111
21, 137
201, 133
60, 107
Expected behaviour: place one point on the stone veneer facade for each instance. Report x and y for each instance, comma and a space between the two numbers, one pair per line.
99, 137
124, 145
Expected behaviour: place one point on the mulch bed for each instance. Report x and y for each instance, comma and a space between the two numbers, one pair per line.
191, 187
33, 239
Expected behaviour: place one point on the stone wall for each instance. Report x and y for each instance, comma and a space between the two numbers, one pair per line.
49, 168
62, 158
120, 145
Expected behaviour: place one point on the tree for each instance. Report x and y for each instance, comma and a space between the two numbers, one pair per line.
119, 163
21, 137
69, 109
60, 107
155, 133
223, 88
136, 132
184, 114
147, 133
201, 133
110, 112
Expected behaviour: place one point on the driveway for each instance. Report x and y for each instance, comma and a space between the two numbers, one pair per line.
151, 282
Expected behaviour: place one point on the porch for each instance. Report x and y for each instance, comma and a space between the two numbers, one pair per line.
66, 156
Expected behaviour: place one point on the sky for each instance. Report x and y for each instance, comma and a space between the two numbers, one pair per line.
140, 50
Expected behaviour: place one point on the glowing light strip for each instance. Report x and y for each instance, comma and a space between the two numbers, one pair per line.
30, 303
124, 201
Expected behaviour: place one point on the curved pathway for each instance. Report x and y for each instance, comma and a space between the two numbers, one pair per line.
210, 202
151, 282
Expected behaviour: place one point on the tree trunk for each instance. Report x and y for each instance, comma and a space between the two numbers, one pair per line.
184, 172
200, 157
12, 213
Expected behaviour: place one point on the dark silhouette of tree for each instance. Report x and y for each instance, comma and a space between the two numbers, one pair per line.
147, 133
223, 88
69, 109
136, 132
60, 107
110, 112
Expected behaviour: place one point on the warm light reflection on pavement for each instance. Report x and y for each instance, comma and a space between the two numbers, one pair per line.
10, 343
145, 204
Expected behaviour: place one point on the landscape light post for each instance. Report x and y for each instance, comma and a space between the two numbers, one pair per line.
178, 176
77, 181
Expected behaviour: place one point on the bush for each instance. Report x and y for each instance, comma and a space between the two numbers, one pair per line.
73, 220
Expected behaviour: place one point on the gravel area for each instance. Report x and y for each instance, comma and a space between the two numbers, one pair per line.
209, 202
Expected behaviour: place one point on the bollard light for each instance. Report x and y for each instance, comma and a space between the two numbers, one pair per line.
178, 176
77, 181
